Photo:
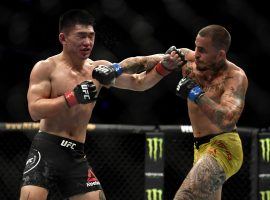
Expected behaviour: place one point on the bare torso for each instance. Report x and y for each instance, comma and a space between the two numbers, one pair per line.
214, 89
73, 121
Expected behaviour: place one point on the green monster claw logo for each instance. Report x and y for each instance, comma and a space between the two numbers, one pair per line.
154, 194
265, 195
155, 148
265, 147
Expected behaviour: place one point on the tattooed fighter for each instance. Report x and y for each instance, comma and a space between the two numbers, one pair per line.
215, 90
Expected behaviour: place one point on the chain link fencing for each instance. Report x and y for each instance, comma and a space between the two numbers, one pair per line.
117, 156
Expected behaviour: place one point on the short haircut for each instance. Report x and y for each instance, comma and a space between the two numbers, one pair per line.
220, 37
73, 17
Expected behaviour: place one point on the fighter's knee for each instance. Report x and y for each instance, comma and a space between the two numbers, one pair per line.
28, 196
24, 195
102, 195
33, 193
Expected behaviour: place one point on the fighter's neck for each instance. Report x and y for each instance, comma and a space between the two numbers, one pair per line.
72, 61
216, 71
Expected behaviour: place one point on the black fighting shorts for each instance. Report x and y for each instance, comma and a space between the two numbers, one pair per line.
59, 161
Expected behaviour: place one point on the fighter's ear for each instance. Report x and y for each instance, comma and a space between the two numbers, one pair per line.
62, 38
221, 54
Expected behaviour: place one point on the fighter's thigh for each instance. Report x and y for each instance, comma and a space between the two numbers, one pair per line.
95, 195
218, 194
31, 192
203, 181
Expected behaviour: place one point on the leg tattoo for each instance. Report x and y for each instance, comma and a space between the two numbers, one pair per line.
203, 181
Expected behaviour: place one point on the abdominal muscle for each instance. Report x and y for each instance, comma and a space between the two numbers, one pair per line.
71, 124
200, 123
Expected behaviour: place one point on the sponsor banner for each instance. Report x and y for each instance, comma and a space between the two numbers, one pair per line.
154, 194
154, 152
154, 148
264, 144
154, 166
264, 195
264, 166
264, 156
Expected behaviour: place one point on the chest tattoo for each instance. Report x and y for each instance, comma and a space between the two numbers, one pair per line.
218, 87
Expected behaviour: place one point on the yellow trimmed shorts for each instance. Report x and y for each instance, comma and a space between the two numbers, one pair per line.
226, 148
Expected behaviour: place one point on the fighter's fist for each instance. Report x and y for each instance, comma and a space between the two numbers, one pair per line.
172, 60
179, 53
188, 88
106, 74
83, 93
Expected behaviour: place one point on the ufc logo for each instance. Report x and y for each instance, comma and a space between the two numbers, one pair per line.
85, 91
178, 87
65, 143
103, 68
195, 92
30, 160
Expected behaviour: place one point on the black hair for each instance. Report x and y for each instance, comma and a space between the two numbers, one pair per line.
75, 16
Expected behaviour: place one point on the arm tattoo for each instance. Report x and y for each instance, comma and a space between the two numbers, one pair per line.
227, 113
140, 63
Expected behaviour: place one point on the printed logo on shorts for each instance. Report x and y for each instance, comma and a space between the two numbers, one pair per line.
220, 144
91, 179
69, 144
212, 151
32, 160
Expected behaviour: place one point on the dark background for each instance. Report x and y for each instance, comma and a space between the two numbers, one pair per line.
29, 33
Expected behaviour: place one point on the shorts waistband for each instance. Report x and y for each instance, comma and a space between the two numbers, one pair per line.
62, 141
205, 139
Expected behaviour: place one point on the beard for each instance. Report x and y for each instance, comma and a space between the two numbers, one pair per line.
204, 67
201, 68
214, 68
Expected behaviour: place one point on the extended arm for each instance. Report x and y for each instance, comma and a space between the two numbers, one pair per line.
138, 82
145, 63
137, 64
106, 75
147, 79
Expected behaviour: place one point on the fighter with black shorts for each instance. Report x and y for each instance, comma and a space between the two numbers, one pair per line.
59, 161
62, 96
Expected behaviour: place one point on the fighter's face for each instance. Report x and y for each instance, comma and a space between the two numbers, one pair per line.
80, 40
206, 55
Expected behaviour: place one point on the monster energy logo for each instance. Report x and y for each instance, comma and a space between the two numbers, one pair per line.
265, 147
265, 195
154, 194
155, 148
